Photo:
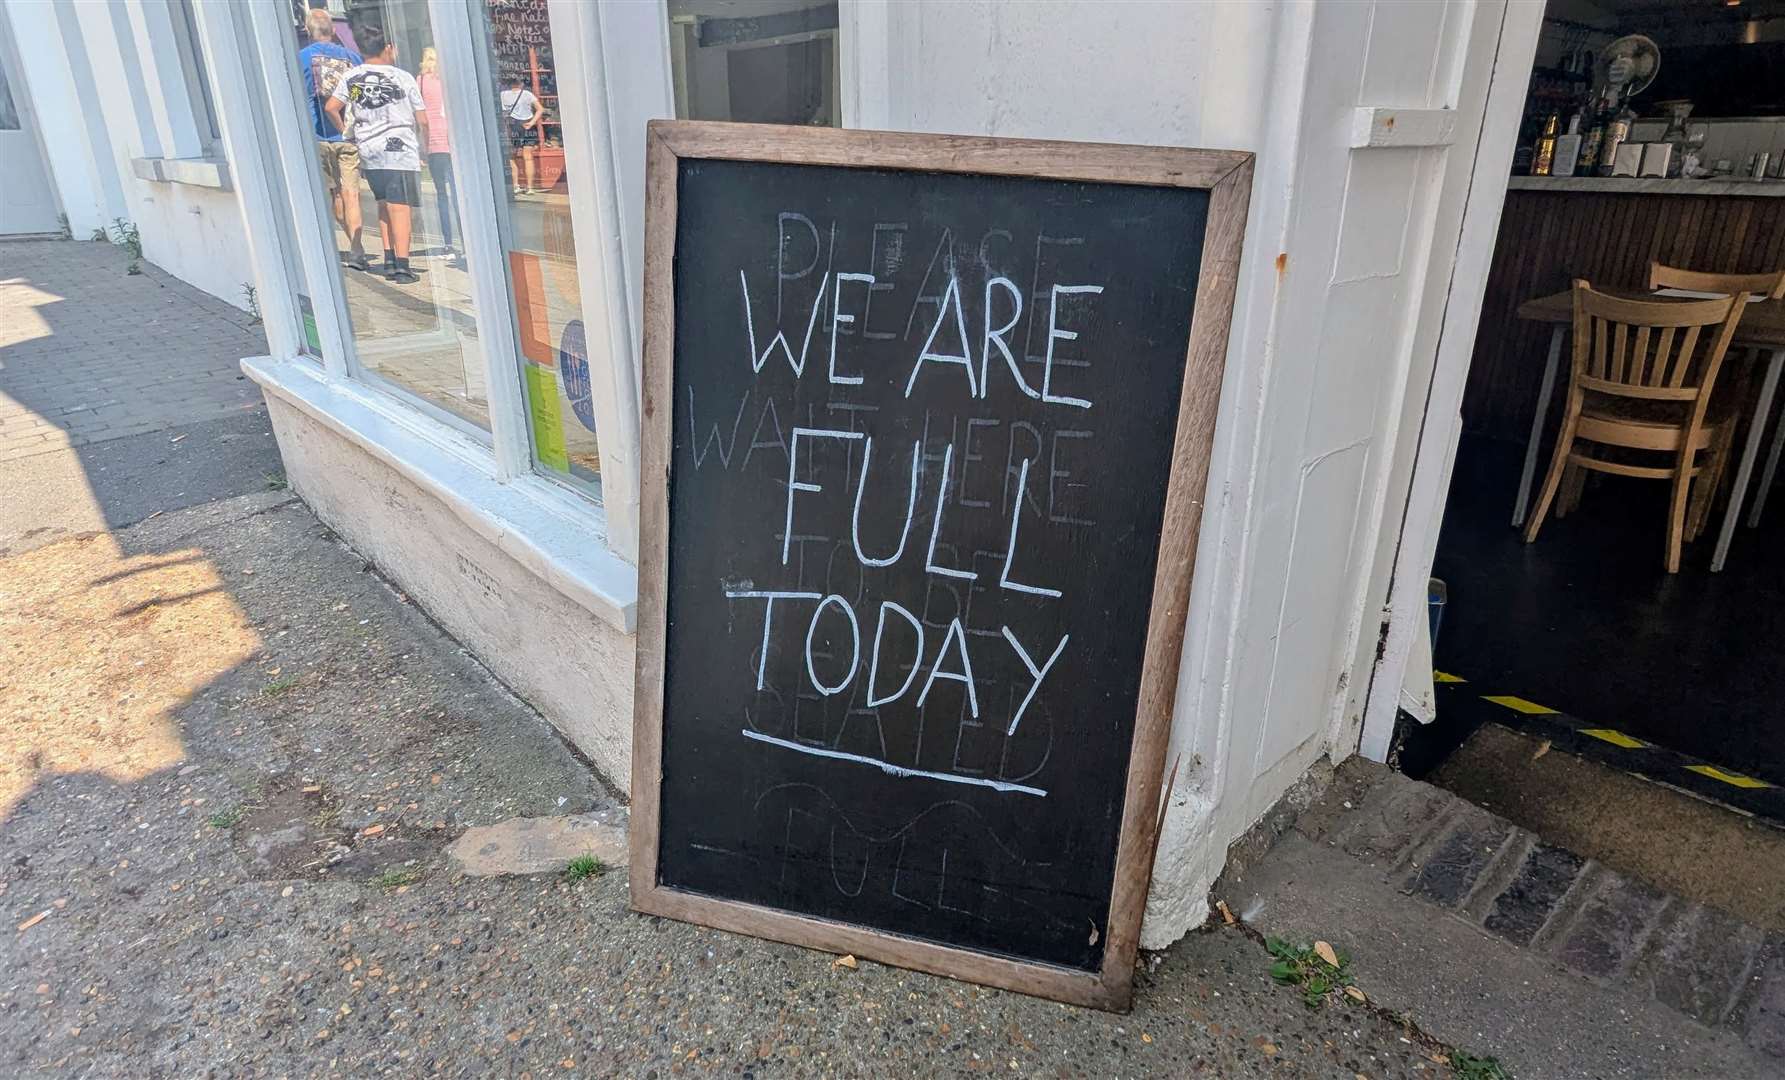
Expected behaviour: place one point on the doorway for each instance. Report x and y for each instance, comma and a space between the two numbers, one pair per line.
27, 202
1576, 685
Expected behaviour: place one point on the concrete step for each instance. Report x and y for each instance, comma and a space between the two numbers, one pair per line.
1497, 942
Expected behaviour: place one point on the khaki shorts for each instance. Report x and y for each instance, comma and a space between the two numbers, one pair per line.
340, 164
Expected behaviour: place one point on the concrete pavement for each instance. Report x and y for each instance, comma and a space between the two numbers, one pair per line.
89, 353
119, 395
231, 761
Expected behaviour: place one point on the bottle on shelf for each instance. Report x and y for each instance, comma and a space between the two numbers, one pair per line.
1544, 158
1590, 145
1676, 135
1617, 129
1567, 149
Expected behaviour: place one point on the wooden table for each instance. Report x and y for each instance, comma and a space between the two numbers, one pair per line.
1762, 329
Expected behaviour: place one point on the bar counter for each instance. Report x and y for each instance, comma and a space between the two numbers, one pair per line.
1649, 185
1604, 229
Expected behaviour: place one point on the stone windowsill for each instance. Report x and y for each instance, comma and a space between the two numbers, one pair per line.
204, 172
555, 533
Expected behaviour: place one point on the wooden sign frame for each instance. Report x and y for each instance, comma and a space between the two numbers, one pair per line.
1227, 176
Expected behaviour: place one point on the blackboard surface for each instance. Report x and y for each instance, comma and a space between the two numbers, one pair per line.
824, 753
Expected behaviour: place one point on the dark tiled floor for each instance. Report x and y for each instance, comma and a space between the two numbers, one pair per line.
1587, 621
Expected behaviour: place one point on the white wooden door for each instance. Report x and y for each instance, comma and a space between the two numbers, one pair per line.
1395, 664
27, 202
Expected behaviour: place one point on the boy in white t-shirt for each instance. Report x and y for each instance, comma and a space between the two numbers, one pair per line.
384, 106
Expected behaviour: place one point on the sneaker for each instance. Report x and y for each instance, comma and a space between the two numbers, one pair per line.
357, 262
401, 277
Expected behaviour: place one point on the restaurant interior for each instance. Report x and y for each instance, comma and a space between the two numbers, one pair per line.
1606, 602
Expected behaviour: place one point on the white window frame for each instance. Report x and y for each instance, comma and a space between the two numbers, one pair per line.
864, 33
585, 545
620, 83
170, 65
599, 230
277, 280
195, 65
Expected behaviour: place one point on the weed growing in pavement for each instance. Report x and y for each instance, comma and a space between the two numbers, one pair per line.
226, 819
251, 297
276, 481
64, 230
1469, 1067
395, 877
1316, 970
99, 235
278, 686
126, 236
584, 866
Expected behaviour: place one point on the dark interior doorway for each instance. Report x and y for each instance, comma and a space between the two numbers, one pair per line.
1586, 622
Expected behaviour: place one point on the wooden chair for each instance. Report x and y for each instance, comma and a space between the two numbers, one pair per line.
1641, 380
1770, 285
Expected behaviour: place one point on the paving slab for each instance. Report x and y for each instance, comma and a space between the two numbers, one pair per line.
120, 395
541, 845
89, 353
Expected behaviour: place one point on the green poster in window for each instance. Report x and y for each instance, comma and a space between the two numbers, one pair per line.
548, 423
309, 315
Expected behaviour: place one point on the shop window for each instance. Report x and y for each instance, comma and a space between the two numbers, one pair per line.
520, 83
407, 285
755, 61
9, 112
198, 80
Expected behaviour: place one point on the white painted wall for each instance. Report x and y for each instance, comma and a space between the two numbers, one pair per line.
109, 89
1322, 341
571, 666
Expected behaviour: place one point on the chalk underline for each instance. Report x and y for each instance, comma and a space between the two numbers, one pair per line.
895, 770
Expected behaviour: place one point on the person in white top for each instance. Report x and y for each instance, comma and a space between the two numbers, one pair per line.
389, 120
525, 117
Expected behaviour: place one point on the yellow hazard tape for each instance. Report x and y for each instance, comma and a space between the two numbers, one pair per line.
1445, 676
1616, 738
1519, 704
1736, 779
1610, 735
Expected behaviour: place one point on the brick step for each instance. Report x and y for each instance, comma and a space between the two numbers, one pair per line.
1617, 931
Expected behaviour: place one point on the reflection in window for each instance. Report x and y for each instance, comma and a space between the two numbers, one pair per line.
537, 234
192, 65
756, 61
9, 112
377, 120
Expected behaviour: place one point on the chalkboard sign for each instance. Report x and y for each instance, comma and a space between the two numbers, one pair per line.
926, 430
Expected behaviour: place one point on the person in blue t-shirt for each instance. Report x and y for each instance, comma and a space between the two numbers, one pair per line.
324, 62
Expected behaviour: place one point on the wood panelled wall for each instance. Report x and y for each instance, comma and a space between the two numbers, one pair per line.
1549, 238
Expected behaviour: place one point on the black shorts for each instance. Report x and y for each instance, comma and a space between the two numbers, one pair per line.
519, 134
394, 185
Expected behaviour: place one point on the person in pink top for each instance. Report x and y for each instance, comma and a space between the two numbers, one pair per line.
438, 150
